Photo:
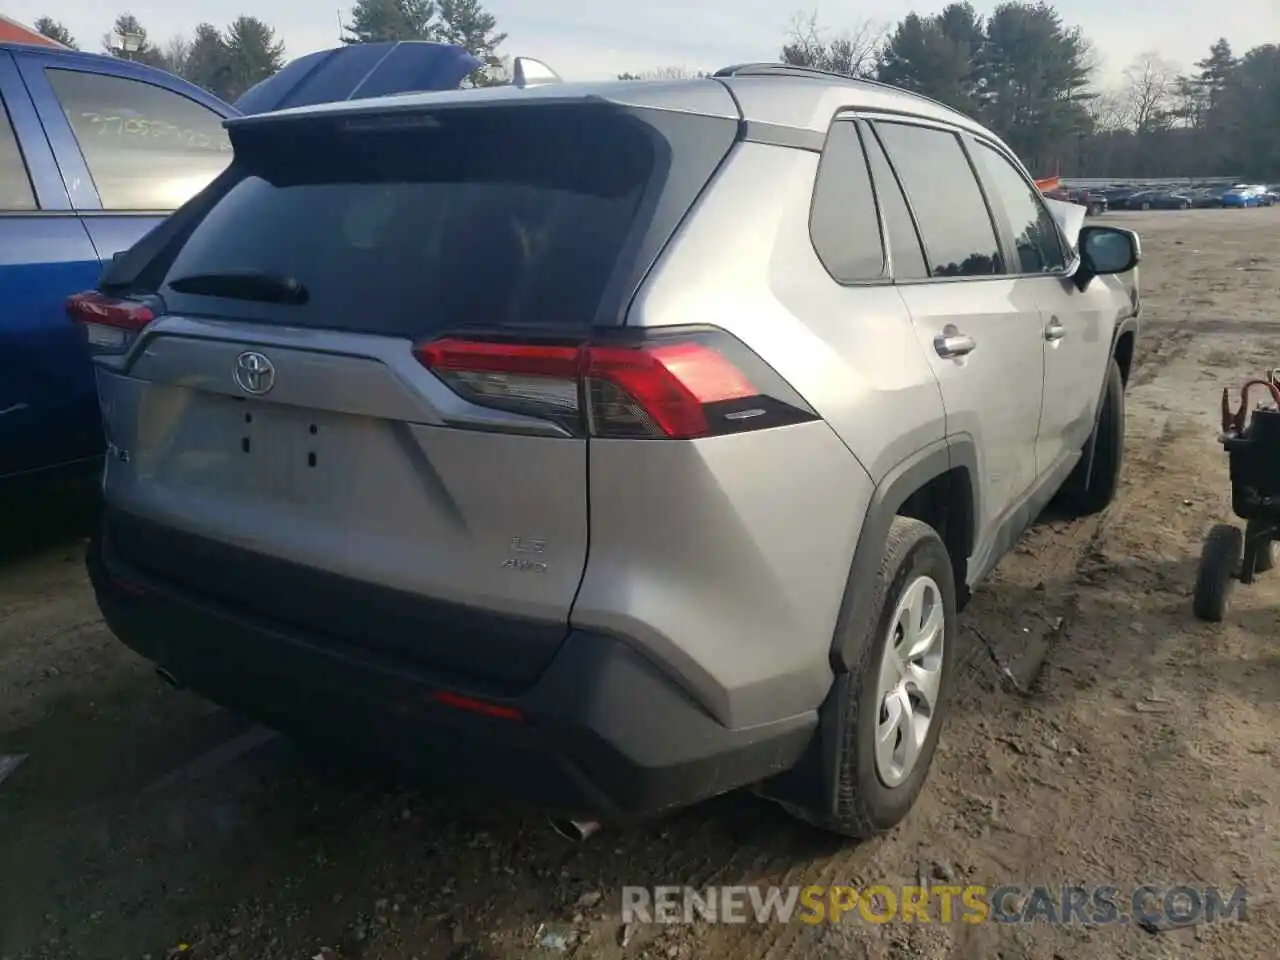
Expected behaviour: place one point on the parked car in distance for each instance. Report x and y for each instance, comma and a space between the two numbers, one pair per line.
1094, 203
1203, 198
1154, 199
1116, 197
1243, 195
95, 151
371, 397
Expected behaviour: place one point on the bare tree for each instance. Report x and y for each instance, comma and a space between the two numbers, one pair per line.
1150, 93
175, 53
1109, 110
853, 52
663, 73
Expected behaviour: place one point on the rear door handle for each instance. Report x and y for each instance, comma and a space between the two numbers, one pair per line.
951, 343
1055, 330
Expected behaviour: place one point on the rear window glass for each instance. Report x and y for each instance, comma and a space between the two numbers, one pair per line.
490, 217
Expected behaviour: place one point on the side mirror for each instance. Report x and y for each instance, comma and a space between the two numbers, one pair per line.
1105, 251
528, 72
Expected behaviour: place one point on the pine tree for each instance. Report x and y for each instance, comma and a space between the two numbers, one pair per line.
471, 26
51, 28
208, 64
253, 54
377, 20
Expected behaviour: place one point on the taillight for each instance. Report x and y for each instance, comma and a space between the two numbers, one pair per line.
680, 386
111, 325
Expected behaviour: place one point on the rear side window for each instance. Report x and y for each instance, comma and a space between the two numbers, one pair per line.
843, 223
1035, 235
955, 225
488, 217
15, 182
147, 148
904, 242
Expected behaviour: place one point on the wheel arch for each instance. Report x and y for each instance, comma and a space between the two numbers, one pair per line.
937, 485
1122, 349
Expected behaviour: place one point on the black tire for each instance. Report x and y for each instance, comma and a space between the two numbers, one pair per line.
1093, 483
1220, 559
1266, 559
1146, 206
865, 805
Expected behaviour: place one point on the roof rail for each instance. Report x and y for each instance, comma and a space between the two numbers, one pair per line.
778, 70
769, 69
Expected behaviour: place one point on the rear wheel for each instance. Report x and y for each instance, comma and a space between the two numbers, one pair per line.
1093, 483
1220, 560
899, 692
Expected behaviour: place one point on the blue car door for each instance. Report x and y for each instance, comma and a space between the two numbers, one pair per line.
48, 407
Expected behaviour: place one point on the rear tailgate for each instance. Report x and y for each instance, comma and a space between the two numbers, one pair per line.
289, 453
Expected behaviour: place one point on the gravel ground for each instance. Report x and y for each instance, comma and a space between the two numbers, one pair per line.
145, 822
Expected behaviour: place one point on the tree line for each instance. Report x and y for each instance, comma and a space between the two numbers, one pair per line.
229, 60
1030, 77
1022, 71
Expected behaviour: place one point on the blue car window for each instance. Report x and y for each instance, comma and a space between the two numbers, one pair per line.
147, 148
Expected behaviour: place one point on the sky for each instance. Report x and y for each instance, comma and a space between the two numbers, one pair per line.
596, 39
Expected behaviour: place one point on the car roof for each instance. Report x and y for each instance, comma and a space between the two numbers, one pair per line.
771, 94
57, 53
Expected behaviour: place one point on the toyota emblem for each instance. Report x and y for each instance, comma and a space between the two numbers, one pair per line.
254, 373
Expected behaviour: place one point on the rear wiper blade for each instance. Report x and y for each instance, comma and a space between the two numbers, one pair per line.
244, 285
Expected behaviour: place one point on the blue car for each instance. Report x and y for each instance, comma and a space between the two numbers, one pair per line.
1244, 197
94, 152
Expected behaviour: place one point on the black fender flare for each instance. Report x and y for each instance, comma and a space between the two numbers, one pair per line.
1128, 325
899, 483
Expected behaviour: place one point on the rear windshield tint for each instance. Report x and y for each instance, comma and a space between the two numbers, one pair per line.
490, 217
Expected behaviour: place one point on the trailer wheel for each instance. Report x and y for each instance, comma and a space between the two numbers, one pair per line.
1220, 559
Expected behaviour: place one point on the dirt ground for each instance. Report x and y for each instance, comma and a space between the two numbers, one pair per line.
144, 820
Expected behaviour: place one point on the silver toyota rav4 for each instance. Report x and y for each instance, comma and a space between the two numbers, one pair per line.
614, 445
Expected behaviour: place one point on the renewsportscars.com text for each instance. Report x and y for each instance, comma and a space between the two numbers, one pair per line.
1146, 904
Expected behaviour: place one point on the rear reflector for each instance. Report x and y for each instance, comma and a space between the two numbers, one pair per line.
679, 386
460, 702
111, 325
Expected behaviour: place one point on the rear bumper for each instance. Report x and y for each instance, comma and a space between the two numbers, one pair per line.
602, 733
